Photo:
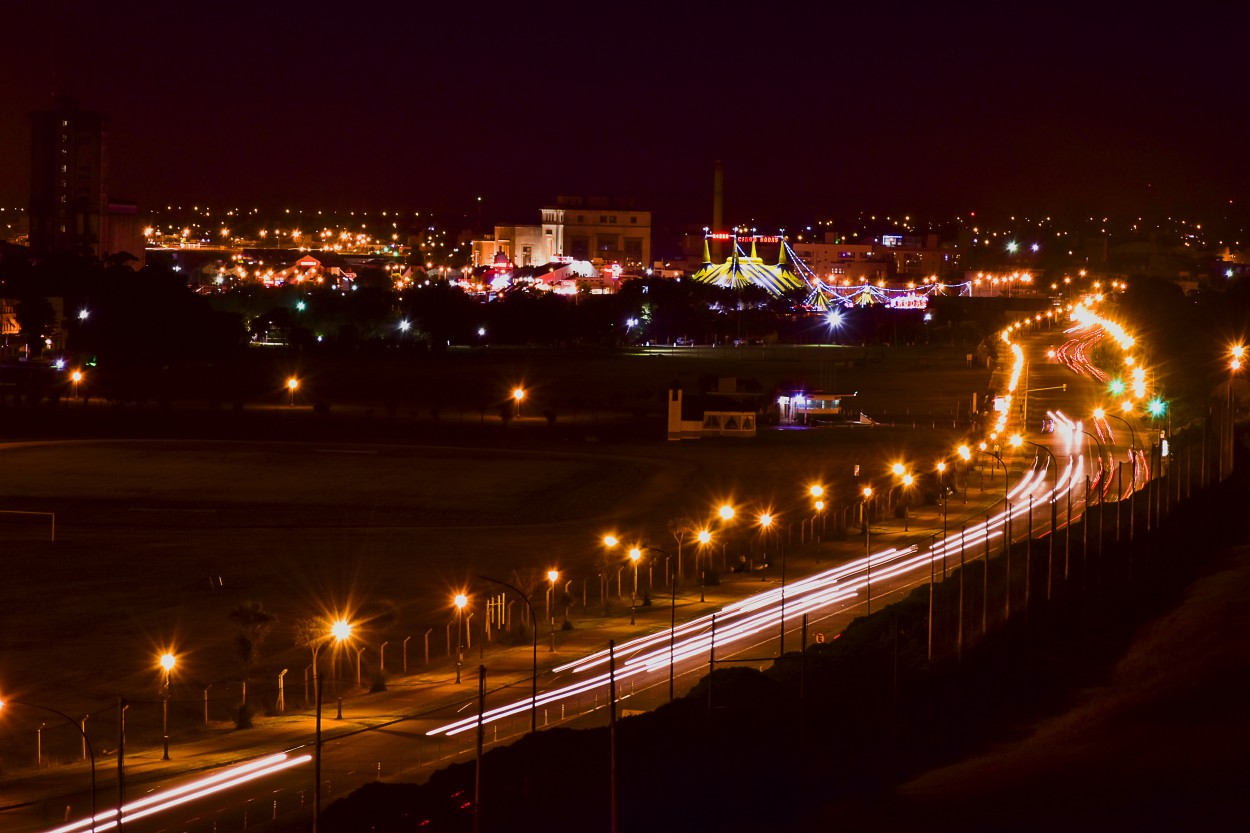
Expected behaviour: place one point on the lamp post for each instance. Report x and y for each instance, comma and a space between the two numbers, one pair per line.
534, 678
726, 514
552, 575
867, 496
291, 385
76, 377
965, 454
1236, 356
460, 600
167, 662
817, 492
941, 470
672, 621
766, 522
518, 394
635, 555
905, 479
704, 538
340, 631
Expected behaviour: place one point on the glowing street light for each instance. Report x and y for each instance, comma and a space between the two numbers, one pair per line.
704, 538
635, 555
76, 377
552, 575
518, 394
167, 662
726, 512
816, 490
292, 384
867, 496
460, 600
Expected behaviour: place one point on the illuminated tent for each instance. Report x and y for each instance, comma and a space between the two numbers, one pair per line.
748, 270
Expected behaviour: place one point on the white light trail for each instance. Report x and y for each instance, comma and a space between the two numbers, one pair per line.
199, 788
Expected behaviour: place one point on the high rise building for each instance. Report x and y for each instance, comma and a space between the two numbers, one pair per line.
68, 179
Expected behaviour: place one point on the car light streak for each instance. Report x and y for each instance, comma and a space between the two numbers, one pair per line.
761, 612
191, 791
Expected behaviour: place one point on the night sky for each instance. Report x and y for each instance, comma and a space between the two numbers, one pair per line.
910, 108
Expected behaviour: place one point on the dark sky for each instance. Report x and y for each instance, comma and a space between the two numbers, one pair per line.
926, 108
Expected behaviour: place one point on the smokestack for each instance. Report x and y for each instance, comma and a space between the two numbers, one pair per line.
718, 206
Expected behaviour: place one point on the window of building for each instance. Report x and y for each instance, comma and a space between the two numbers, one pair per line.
603, 218
612, 219
633, 249
633, 220
607, 243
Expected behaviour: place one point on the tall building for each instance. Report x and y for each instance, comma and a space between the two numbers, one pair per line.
68, 179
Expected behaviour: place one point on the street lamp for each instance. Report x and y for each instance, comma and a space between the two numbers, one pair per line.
552, 575
1236, 354
167, 662
965, 454
704, 538
291, 385
517, 395
76, 377
867, 496
460, 600
906, 479
635, 555
340, 630
941, 470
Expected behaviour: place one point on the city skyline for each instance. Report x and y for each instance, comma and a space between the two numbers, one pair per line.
941, 112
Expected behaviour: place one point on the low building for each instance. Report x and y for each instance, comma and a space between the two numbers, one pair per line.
725, 412
814, 407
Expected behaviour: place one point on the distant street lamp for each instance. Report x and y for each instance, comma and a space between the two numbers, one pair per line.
704, 538
867, 496
635, 555
518, 394
460, 600
552, 575
76, 377
167, 662
291, 385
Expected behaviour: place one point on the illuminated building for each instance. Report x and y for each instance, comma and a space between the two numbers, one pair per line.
577, 228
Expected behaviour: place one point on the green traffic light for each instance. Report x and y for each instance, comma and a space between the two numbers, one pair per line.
1156, 407
1117, 386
